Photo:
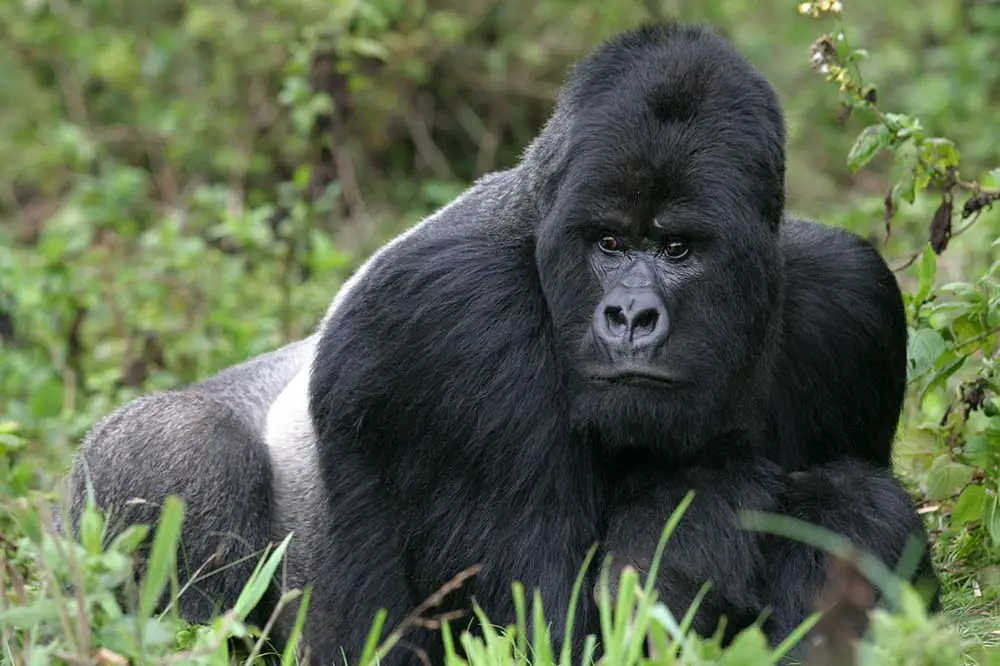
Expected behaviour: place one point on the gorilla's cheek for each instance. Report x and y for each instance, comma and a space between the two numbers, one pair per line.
707, 326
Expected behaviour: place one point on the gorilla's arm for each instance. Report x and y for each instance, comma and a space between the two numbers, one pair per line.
844, 346
204, 443
855, 500
840, 377
752, 572
707, 544
441, 437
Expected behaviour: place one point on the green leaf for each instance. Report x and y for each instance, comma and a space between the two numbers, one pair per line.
129, 540
928, 274
979, 448
795, 637
892, 205
962, 290
953, 363
91, 529
941, 152
565, 657
371, 641
969, 507
589, 646
47, 400
749, 647
994, 174
946, 477
868, 143
288, 656
541, 639
945, 314
11, 443
908, 162
370, 48
517, 592
925, 347
991, 518
9, 427
28, 617
903, 126
260, 580
162, 555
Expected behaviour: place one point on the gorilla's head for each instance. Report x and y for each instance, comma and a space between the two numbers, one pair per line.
659, 182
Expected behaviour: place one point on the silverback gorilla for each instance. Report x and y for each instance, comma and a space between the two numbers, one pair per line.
551, 361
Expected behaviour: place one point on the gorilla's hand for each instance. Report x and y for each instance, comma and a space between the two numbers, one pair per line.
851, 499
708, 544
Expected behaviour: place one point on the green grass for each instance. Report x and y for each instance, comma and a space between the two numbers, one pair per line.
76, 601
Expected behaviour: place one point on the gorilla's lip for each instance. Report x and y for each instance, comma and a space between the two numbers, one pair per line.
633, 374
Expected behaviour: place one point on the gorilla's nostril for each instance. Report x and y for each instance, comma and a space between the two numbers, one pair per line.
631, 320
615, 316
646, 320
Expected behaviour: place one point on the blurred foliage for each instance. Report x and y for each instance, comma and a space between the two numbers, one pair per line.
187, 184
951, 429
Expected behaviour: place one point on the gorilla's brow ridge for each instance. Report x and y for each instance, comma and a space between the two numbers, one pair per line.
671, 221
609, 220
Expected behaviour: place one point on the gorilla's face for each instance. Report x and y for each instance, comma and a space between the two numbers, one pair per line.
660, 189
641, 278
663, 285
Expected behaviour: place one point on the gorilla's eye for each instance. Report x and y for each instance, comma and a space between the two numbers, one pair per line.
675, 248
609, 243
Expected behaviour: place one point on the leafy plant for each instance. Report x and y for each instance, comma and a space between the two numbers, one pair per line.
953, 420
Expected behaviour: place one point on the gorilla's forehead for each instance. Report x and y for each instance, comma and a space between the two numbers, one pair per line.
673, 109
634, 159
646, 169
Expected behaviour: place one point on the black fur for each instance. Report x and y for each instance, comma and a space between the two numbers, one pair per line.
484, 392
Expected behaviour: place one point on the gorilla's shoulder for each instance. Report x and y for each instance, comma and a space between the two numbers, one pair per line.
838, 267
456, 252
469, 265
844, 342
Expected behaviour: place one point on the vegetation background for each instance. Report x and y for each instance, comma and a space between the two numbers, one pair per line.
186, 184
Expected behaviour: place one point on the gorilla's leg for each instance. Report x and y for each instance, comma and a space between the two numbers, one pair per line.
194, 446
854, 500
205, 444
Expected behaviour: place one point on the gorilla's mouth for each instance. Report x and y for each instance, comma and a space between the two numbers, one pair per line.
633, 375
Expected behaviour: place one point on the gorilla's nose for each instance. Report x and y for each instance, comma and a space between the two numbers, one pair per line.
632, 318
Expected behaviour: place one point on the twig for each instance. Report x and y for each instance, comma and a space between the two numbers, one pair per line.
428, 150
965, 227
76, 105
432, 601
490, 142
349, 182
908, 262
265, 631
961, 230
417, 650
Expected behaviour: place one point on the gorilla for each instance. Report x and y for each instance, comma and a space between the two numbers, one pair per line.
551, 361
